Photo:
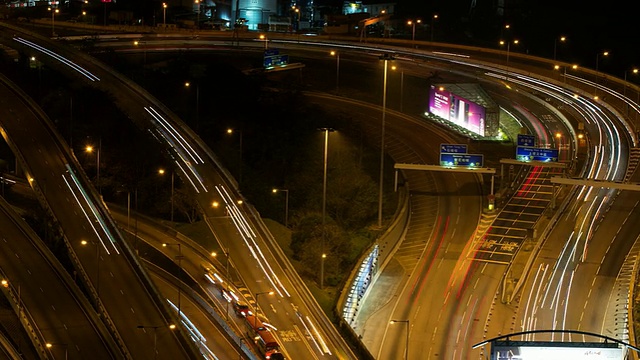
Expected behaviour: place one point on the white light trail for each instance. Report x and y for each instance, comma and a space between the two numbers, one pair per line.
60, 58
96, 216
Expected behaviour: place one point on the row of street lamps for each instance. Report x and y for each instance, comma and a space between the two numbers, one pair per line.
413, 24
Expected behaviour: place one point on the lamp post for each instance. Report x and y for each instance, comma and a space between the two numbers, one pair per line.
179, 257
508, 43
337, 55
197, 2
324, 201
155, 336
286, 205
85, 243
187, 85
53, 20
406, 353
263, 37
89, 149
255, 321
413, 29
164, 15
385, 58
559, 137
433, 24
555, 44
230, 131
298, 15
162, 172
66, 348
144, 55
603, 53
633, 71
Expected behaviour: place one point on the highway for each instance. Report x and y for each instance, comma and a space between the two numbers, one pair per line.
454, 272
45, 294
62, 189
314, 335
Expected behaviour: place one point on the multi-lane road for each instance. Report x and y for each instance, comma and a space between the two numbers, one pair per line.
437, 258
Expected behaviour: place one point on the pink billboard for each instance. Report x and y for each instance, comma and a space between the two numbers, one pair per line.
457, 110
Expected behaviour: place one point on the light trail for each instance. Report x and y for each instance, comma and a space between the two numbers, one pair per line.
60, 58
77, 188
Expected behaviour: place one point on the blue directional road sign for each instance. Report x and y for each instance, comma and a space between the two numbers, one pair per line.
453, 148
466, 160
526, 140
275, 60
524, 153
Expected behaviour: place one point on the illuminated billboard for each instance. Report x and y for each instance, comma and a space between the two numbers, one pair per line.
457, 110
557, 352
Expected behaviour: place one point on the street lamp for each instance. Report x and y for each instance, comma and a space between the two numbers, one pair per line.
386, 58
508, 43
573, 67
230, 132
162, 172
559, 137
286, 204
633, 71
53, 21
66, 348
555, 44
413, 26
89, 149
85, 243
187, 85
164, 15
433, 24
298, 15
603, 53
255, 321
137, 43
155, 336
406, 353
263, 37
324, 200
337, 55
179, 257
197, 2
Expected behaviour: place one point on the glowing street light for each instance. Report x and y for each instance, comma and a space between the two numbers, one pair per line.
53, 20
406, 353
263, 37
555, 44
255, 322
337, 55
433, 24
602, 53
413, 26
286, 204
230, 132
179, 257
85, 243
90, 149
164, 14
162, 172
155, 335
197, 2
66, 352
508, 43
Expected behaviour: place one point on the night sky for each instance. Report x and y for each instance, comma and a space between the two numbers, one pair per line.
590, 27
